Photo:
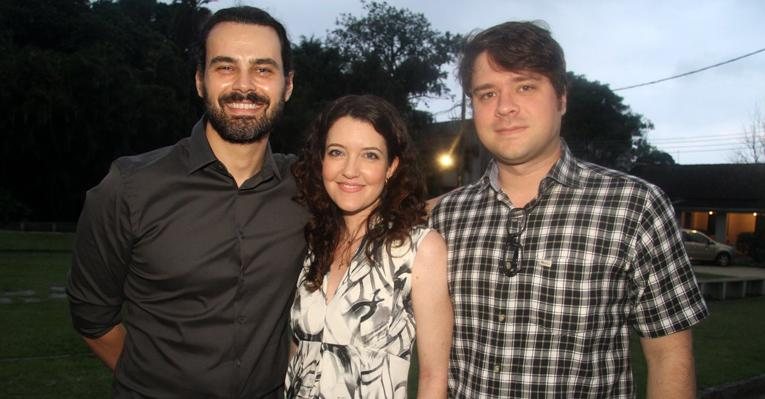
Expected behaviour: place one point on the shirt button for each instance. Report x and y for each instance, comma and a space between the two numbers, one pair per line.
497, 368
501, 317
238, 363
240, 319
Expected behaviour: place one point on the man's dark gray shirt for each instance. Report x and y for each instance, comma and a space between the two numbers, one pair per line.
199, 271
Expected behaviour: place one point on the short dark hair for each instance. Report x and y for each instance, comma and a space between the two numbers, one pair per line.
516, 46
402, 202
244, 15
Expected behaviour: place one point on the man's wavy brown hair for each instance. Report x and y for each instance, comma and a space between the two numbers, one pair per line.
401, 206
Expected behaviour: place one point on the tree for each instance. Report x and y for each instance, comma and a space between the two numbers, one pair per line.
647, 154
600, 128
390, 52
83, 83
394, 53
753, 143
318, 80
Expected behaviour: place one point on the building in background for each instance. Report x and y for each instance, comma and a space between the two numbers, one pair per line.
723, 200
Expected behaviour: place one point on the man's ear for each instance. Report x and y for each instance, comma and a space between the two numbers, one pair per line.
199, 79
563, 103
288, 85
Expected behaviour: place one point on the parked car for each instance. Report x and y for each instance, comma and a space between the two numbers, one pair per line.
702, 248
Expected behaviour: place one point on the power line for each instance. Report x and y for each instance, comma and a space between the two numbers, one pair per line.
690, 72
708, 150
697, 141
704, 146
739, 135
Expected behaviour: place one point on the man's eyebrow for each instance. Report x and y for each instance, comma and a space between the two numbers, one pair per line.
258, 61
516, 79
484, 86
264, 61
221, 59
527, 76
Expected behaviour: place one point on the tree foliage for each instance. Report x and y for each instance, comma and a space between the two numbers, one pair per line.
394, 53
600, 128
646, 154
318, 79
83, 82
391, 52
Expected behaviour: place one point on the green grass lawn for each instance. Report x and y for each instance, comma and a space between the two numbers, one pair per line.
727, 345
42, 357
43, 242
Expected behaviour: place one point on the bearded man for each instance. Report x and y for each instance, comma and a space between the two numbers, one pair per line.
186, 257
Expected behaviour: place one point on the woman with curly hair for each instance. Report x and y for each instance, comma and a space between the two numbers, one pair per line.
374, 273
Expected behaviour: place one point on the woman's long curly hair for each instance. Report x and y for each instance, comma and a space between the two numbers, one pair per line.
401, 205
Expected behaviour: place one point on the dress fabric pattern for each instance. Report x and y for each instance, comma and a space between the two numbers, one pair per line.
357, 345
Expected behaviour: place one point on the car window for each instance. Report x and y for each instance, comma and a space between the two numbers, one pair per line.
695, 237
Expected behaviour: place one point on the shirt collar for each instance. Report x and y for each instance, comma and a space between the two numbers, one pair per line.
201, 155
566, 171
269, 166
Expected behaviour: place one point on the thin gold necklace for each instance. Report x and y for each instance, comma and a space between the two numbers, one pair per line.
347, 249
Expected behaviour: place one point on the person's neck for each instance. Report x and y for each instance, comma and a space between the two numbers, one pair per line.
356, 225
521, 182
242, 161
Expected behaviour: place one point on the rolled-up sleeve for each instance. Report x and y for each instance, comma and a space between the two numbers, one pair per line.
669, 299
100, 258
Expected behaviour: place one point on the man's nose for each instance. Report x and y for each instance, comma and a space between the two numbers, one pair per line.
506, 104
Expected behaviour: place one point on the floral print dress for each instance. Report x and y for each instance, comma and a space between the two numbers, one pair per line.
358, 345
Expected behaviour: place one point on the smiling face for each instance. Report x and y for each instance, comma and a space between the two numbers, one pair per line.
243, 83
517, 114
355, 167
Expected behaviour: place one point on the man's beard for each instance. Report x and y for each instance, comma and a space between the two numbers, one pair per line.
243, 129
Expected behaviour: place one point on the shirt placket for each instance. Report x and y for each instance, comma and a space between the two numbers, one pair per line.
244, 196
499, 360
240, 318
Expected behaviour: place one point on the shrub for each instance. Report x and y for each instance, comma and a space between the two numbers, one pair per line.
752, 244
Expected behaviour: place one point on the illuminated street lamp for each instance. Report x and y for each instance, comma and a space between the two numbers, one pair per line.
445, 160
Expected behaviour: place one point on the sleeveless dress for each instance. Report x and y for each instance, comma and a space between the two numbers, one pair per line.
358, 345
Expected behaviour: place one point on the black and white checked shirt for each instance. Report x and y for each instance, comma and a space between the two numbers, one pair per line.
599, 252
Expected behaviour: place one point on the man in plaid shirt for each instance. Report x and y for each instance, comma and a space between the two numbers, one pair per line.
552, 259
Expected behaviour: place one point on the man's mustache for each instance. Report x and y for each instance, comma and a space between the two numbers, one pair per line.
250, 96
